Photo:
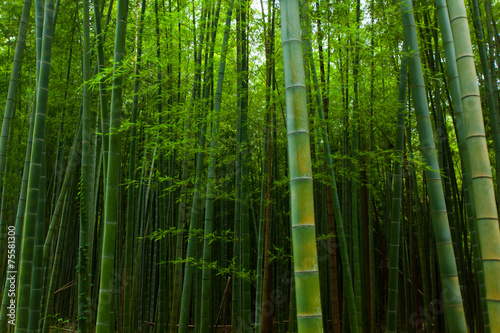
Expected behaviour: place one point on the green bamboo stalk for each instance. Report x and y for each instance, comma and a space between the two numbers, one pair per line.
86, 196
26, 265
162, 310
203, 280
446, 259
454, 83
102, 84
11, 93
138, 232
179, 245
130, 240
356, 222
59, 150
104, 317
245, 175
491, 53
263, 276
397, 190
191, 278
49, 316
57, 219
309, 316
58, 160
236, 308
210, 194
39, 35
179, 248
292, 316
347, 273
3, 233
153, 267
66, 185
187, 285
19, 221
305, 23
492, 104
37, 273
149, 246
264, 321
481, 178
371, 241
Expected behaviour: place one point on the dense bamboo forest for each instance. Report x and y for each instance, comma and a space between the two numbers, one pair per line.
249, 166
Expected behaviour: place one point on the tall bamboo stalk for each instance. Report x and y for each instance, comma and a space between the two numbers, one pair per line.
105, 318
397, 190
492, 99
130, 240
446, 258
245, 174
26, 265
481, 178
86, 196
206, 289
309, 316
13, 82
19, 221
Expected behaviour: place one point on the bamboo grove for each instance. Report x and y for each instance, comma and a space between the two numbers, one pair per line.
249, 166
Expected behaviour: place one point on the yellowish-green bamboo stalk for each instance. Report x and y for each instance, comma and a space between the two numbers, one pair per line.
481, 177
309, 315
